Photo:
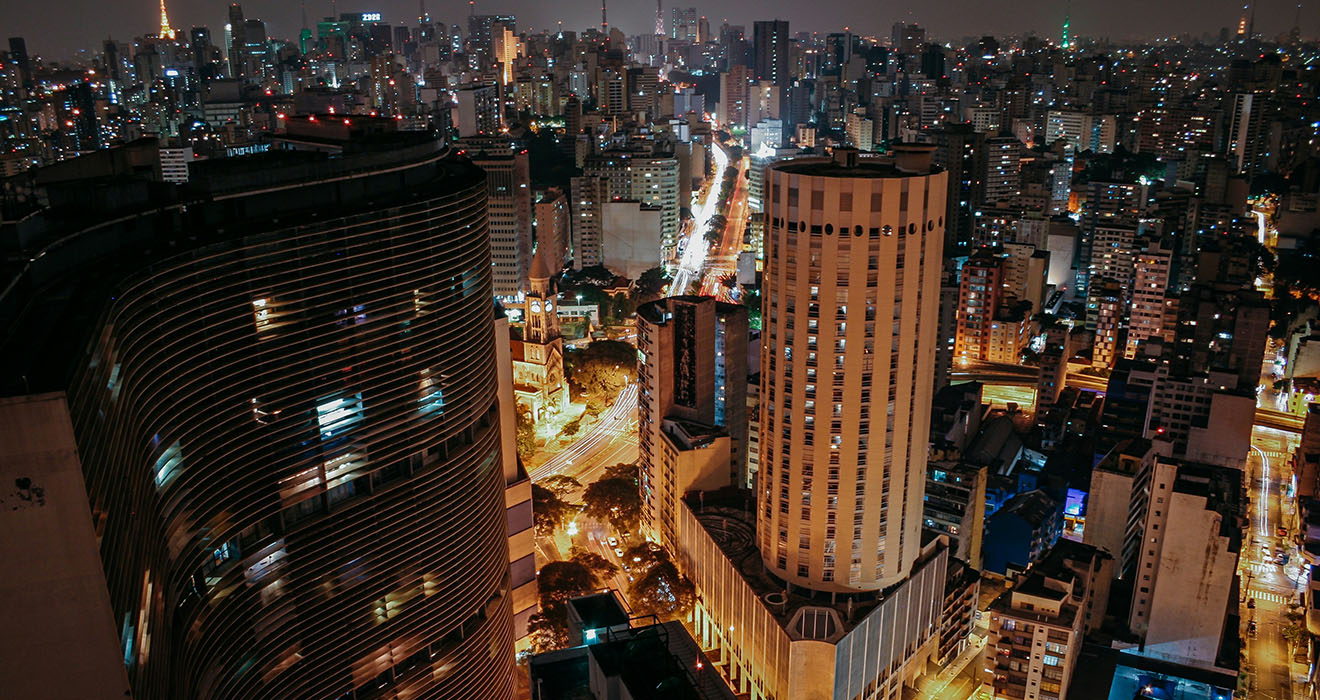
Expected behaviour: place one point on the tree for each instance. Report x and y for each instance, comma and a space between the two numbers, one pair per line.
526, 434
557, 583
658, 588
614, 499
599, 566
547, 633
572, 427
549, 510
601, 369
650, 284
561, 484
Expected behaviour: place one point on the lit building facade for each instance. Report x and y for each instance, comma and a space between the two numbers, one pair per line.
287, 432
538, 357
852, 280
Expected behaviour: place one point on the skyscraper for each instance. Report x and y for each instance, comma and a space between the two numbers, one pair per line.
692, 408
852, 285
270, 446
829, 572
770, 49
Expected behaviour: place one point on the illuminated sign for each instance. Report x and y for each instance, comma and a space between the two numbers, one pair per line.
370, 16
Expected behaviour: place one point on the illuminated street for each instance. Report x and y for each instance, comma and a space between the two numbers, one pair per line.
614, 437
724, 261
1270, 585
694, 250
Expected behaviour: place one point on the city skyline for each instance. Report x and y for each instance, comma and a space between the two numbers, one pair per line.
958, 20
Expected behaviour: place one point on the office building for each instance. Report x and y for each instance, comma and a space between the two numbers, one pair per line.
692, 374
508, 186
1001, 172
849, 270
1186, 578
771, 52
266, 475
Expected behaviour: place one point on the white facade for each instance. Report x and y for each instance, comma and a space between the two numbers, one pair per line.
851, 294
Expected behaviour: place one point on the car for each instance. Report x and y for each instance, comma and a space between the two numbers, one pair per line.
614, 542
1281, 532
618, 552
1265, 549
1251, 628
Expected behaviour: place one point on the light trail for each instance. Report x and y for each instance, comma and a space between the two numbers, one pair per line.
1263, 502
694, 251
621, 411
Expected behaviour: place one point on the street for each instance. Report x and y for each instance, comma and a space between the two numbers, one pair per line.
724, 261
693, 259
1268, 585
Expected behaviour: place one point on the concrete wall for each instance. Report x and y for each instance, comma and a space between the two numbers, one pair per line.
1194, 581
62, 641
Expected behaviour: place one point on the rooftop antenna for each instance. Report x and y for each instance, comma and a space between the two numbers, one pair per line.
604, 26
660, 17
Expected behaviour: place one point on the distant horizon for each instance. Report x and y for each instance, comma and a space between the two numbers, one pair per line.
49, 34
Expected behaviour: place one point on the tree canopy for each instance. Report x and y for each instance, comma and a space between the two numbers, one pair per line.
549, 510
601, 369
614, 498
658, 588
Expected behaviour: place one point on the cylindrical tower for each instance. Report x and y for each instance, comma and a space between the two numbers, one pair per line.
850, 308
284, 396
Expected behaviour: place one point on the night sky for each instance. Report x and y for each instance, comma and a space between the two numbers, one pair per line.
58, 28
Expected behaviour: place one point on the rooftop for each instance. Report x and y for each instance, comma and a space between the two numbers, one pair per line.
93, 234
727, 517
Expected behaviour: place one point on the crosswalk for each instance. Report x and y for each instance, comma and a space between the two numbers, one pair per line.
1267, 596
1261, 568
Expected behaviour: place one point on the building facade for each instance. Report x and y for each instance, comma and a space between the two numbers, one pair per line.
288, 430
852, 274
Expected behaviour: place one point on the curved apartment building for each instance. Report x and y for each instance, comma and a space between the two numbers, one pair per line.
850, 308
281, 385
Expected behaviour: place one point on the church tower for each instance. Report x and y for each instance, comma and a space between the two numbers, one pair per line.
540, 386
539, 305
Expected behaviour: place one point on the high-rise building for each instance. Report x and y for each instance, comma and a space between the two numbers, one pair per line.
1246, 138
852, 274
646, 178
1001, 173
508, 184
269, 453
1223, 328
1186, 582
1150, 302
692, 408
587, 197
552, 239
734, 97
481, 36
959, 150
771, 52
980, 294
478, 110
